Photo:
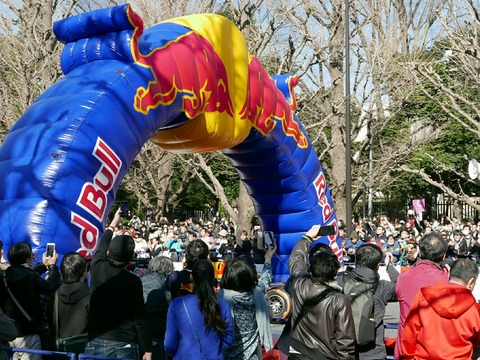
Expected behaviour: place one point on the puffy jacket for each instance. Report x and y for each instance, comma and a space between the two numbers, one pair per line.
328, 328
443, 323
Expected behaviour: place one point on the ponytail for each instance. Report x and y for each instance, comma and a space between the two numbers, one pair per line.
203, 278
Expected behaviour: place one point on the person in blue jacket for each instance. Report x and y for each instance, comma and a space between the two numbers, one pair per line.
199, 326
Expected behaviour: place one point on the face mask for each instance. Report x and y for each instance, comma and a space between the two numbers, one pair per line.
465, 232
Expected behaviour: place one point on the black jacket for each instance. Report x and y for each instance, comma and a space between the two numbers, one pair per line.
117, 311
73, 304
328, 328
384, 293
156, 303
27, 286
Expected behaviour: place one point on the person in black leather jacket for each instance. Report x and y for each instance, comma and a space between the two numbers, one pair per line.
327, 330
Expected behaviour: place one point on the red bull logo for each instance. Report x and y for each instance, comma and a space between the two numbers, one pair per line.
187, 66
263, 108
93, 196
327, 211
186, 287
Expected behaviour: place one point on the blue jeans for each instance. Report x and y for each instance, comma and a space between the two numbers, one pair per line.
113, 349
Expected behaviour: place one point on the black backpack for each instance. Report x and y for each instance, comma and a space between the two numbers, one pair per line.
361, 296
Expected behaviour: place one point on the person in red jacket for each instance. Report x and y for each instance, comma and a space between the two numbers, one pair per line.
444, 320
426, 272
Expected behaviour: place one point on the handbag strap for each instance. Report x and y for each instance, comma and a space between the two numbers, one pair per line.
55, 309
190, 320
14, 299
309, 305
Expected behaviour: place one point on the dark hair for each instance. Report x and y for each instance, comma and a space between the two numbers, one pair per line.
203, 279
324, 267
73, 267
464, 269
19, 253
368, 256
195, 250
433, 247
319, 248
240, 274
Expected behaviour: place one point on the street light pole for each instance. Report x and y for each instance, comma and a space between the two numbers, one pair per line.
348, 152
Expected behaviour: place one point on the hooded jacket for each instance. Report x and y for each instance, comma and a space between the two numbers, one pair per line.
73, 303
384, 293
443, 323
424, 273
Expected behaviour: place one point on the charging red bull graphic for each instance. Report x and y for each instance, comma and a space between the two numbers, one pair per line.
178, 84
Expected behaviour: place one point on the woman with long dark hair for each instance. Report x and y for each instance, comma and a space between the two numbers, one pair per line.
199, 326
245, 292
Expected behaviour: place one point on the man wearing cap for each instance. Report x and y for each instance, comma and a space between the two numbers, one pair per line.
117, 323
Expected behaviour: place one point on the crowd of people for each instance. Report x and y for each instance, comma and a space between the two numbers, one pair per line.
130, 311
401, 238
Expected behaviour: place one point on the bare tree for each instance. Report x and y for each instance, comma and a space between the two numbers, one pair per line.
456, 76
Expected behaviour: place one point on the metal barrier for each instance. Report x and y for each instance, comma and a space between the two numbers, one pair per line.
11, 350
96, 357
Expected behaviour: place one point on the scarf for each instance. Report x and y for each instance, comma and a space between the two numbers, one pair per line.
263, 313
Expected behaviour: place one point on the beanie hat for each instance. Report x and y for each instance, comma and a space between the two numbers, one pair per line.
121, 248
354, 235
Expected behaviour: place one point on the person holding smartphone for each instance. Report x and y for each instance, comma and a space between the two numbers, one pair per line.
26, 285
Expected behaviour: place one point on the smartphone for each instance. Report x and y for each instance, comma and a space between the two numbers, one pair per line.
50, 249
326, 230
124, 208
260, 240
268, 239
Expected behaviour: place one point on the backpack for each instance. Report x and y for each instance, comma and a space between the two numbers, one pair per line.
361, 296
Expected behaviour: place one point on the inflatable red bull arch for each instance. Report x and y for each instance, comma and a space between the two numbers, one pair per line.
189, 85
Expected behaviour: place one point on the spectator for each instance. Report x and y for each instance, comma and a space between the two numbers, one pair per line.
427, 271
155, 247
8, 332
392, 246
176, 246
225, 250
144, 232
117, 323
135, 222
257, 252
444, 319
73, 299
245, 293
352, 246
335, 339
367, 262
199, 325
243, 245
380, 235
457, 247
156, 301
179, 283
27, 286
141, 246
3, 263
343, 238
